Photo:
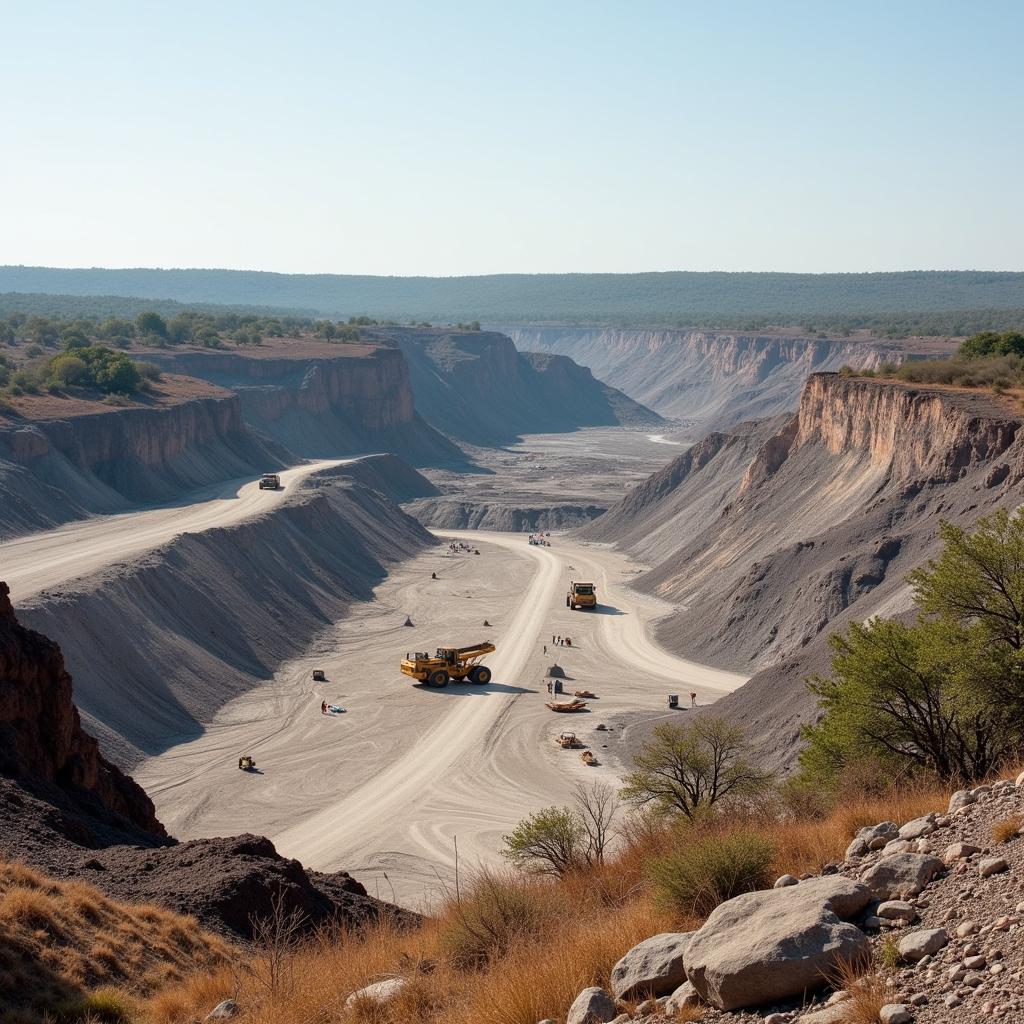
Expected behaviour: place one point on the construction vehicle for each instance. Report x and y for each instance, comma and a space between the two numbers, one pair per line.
568, 739
585, 693
587, 757
247, 764
581, 595
270, 482
319, 676
673, 700
449, 663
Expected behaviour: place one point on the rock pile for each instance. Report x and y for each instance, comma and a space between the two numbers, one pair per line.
935, 905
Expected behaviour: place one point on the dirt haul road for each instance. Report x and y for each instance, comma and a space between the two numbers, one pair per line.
41, 560
384, 789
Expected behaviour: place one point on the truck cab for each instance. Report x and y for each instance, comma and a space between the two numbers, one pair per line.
581, 595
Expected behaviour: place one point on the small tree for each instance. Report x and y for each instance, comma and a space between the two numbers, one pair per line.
686, 769
151, 323
558, 840
946, 693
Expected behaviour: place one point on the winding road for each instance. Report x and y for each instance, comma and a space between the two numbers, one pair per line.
41, 560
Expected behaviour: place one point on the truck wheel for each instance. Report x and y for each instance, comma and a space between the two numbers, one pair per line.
481, 674
438, 678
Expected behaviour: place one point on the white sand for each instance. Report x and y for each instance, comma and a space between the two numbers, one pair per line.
387, 787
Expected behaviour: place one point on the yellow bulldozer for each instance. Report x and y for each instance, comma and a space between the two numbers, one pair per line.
581, 595
449, 663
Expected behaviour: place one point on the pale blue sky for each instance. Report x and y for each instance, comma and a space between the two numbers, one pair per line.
463, 138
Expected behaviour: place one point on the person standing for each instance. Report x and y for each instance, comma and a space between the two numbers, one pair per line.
693, 700
323, 708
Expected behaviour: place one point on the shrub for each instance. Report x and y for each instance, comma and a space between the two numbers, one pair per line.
710, 869
499, 912
106, 1004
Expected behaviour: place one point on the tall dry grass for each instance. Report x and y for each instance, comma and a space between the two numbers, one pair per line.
515, 950
68, 951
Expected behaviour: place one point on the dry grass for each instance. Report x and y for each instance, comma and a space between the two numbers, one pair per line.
1007, 829
517, 950
68, 951
867, 993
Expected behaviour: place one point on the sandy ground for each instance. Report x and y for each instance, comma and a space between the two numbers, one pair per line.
385, 789
591, 467
41, 560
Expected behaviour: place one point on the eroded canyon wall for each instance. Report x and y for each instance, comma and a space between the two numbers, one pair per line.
711, 379
771, 536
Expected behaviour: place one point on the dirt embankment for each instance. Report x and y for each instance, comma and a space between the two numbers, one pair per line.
714, 379
770, 537
215, 613
453, 514
63, 459
475, 387
323, 400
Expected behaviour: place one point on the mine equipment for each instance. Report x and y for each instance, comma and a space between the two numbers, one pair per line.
567, 739
588, 758
270, 482
581, 595
319, 676
459, 663
247, 764
673, 700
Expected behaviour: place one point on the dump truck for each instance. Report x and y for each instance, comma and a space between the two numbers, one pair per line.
270, 482
449, 663
581, 595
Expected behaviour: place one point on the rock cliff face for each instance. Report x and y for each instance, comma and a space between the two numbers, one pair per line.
711, 379
65, 465
324, 401
770, 536
475, 386
41, 737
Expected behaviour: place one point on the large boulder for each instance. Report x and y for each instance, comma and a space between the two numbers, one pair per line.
592, 1006
917, 945
900, 875
652, 968
763, 947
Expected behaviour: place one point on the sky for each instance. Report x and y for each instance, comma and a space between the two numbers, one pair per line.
476, 137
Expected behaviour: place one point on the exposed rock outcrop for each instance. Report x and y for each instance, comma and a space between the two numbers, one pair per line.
714, 379
323, 400
74, 457
771, 535
475, 386
41, 737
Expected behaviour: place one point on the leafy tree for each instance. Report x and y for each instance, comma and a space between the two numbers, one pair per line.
151, 323
990, 343
558, 840
946, 693
687, 769
67, 369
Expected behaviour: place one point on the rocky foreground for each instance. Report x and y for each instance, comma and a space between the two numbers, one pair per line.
933, 906
928, 914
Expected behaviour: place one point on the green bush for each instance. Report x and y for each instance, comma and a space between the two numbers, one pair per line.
710, 869
499, 912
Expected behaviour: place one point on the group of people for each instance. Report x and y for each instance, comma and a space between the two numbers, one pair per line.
456, 546
559, 641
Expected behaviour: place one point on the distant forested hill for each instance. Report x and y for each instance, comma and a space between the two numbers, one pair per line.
712, 299
99, 307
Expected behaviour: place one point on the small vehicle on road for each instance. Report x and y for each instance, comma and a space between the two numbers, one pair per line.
587, 757
585, 693
319, 676
270, 482
568, 739
247, 764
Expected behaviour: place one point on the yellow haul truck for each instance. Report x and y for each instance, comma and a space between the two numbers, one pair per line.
581, 595
449, 663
